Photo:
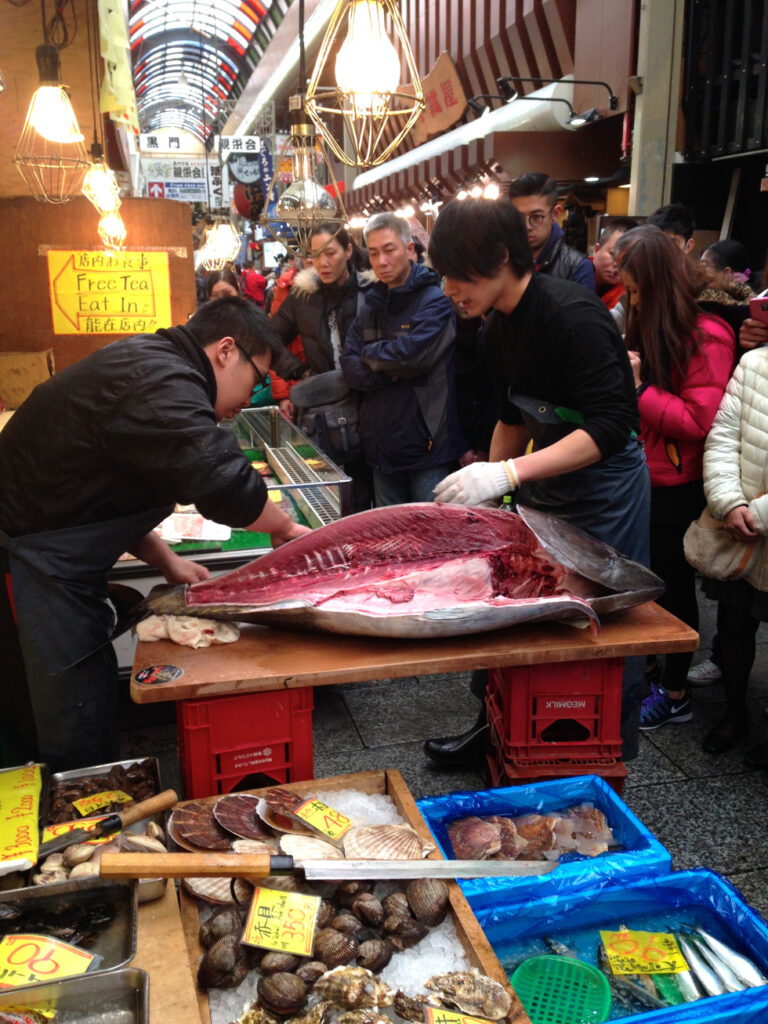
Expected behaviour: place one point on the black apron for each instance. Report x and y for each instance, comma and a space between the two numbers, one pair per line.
65, 623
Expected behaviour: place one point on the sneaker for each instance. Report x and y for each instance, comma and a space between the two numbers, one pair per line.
659, 708
705, 674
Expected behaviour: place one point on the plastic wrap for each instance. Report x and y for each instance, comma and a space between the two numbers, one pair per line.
640, 854
692, 895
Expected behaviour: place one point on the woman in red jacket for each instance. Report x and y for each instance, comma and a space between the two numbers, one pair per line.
681, 360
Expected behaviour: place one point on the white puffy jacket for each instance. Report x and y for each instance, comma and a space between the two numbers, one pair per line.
736, 452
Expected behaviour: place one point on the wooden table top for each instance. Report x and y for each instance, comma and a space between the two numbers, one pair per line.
271, 659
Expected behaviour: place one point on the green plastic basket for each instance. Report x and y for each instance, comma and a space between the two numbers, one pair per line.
562, 990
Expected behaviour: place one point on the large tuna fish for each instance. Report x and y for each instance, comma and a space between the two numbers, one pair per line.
423, 570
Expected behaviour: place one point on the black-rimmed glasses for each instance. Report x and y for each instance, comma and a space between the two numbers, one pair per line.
260, 380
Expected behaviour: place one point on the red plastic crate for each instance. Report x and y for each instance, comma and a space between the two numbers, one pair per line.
568, 709
257, 736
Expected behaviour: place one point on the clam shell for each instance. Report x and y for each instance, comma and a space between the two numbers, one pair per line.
428, 899
368, 909
132, 843
325, 914
282, 993
348, 924
310, 972
218, 890
384, 842
87, 869
334, 948
226, 921
274, 962
374, 954
237, 814
404, 932
78, 853
309, 848
155, 831
396, 903
223, 965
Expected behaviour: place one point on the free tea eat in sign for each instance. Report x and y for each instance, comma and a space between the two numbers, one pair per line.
96, 292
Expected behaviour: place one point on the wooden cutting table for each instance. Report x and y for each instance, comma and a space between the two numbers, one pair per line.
272, 659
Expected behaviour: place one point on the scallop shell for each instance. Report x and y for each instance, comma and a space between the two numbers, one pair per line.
237, 814
268, 846
334, 948
428, 899
279, 822
309, 848
282, 993
385, 842
218, 890
195, 824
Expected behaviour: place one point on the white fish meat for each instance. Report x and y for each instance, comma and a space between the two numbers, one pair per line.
423, 570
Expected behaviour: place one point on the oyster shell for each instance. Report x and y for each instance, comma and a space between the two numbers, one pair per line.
384, 842
374, 954
282, 994
471, 992
408, 1008
195, 824
353, 988
428, 899
320, 1013
256, 1014
236, 813
224, 965
334, 948
367, 1015
274, 962
309, 848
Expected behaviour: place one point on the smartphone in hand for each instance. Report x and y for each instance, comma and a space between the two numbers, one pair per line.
758, 308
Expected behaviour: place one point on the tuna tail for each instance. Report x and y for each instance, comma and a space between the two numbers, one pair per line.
162, 600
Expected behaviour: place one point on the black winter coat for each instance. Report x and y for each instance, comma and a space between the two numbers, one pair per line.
127, 429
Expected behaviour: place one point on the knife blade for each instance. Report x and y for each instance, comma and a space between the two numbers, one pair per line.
112, 822
244, 865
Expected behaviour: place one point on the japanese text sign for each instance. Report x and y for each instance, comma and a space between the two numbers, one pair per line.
284, 921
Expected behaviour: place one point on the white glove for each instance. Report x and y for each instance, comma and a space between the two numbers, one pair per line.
478, 482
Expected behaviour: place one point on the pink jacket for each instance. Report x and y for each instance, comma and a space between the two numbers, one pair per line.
674, 424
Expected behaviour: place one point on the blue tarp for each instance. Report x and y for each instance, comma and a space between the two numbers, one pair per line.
640, 854
697, 896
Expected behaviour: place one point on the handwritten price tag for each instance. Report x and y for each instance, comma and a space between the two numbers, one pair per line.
26, 959
54, 831
324, 819
643, 952
284, 921
436, 1016
94, 803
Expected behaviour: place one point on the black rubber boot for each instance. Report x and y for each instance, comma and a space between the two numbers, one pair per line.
467, 748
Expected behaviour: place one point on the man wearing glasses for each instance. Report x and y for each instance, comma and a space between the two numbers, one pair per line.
92, 461
535, 196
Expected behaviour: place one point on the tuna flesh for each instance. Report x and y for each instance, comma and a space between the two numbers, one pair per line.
422, 570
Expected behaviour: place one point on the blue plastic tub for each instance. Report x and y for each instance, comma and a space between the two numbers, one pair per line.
640, 854
518, 929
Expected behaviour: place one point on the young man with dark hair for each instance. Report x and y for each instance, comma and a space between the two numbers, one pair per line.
563, 380
89, 465
676, 221
535, 197
399, 354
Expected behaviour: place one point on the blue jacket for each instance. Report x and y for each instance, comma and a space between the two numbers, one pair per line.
559, 260
399, 353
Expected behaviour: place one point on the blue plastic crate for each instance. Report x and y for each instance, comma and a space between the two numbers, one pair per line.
641, 853
700, 896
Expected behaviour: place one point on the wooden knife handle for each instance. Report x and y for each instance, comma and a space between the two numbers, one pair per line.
146, 808
186, 865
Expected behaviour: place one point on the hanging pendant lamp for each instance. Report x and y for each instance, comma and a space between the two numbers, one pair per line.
111, 230
222, 246
367, 95
100, 184
50, 154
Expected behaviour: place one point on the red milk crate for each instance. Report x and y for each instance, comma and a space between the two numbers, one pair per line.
566, 709
255, 736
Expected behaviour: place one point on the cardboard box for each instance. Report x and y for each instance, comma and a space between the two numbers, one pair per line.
21, 372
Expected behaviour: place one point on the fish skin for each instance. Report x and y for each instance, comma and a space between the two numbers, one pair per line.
730, 982
314, 581
744, 969
688, 986
706, 977
627, 987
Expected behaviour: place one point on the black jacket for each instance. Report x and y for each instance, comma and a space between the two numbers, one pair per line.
129, 428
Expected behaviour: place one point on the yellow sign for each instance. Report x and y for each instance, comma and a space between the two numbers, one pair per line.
96, 292
284, 921
54, 831
643, 952
19, 808
434, 1015
324, 819
27, 959
95, 802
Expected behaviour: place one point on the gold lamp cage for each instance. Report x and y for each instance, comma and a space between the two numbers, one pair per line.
367, 94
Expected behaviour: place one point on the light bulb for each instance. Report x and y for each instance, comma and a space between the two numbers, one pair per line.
462, 193
491, 190
367, 64
52, 116
112, 230
101, 188
305, 200
476, 191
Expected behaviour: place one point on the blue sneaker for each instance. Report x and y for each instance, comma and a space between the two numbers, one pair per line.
660, 708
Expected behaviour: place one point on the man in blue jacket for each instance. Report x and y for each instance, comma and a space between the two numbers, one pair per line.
399, 353
535, 196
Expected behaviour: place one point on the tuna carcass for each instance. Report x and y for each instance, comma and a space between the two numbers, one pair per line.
423, 570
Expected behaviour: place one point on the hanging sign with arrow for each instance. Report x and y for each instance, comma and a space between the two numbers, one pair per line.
95, 292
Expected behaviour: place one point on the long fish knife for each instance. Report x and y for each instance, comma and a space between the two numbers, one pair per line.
111, 823
255, 865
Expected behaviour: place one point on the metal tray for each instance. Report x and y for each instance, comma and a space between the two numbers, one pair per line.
113, 997
116, 943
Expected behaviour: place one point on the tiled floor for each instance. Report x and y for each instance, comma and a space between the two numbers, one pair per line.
709, 812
